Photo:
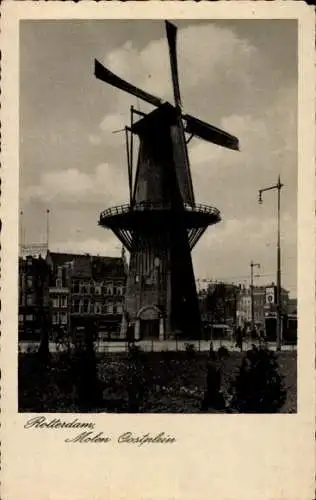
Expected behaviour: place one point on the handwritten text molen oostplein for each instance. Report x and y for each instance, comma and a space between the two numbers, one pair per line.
89, 434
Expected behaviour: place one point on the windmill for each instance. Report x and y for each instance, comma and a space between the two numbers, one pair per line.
162, 222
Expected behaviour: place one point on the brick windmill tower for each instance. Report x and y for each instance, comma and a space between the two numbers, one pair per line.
162, 222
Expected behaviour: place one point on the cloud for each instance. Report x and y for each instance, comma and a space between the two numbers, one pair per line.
230, 80
268, 145
94, 139
111, 123
109, 246
70, 186
213, 61
226, 249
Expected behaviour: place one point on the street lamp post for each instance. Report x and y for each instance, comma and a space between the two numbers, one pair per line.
277, 186
252, 265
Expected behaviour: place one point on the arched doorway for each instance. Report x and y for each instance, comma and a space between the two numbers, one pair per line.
149, 318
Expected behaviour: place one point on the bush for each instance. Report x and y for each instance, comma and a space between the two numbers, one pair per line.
222, 352
258, 387
134, 352
190, 350
84, 374
213, 397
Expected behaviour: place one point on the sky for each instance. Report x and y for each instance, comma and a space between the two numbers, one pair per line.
240, 75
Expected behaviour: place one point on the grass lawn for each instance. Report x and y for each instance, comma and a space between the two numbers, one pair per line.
170, 382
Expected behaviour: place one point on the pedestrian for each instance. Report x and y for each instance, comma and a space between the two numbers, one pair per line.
130, 335
262, 337
239, 338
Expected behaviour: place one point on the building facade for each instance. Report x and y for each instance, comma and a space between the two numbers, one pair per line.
244, 306
260, 306
87, 289
34, 307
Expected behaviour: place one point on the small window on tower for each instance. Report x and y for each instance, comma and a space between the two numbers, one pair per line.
136, 278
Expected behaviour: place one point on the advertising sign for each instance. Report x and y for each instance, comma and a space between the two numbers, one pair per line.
270, 295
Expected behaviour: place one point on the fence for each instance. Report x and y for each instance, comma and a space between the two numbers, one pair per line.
156, 346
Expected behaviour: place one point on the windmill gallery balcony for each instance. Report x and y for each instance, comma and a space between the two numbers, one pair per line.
126, 218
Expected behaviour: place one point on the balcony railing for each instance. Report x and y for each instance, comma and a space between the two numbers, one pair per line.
141, 207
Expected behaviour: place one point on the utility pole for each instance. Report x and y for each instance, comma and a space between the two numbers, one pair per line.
47, 228
21, 233
277, 186
252, 265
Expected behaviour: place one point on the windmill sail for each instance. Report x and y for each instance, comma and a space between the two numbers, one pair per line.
192, 125
172, 40
102, 73
210, 133
180, 152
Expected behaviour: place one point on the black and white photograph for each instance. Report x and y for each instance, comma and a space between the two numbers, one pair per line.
158, 216
158, 275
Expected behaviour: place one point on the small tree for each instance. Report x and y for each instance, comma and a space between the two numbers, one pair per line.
258, 387
136, 383
213, 396
85, 370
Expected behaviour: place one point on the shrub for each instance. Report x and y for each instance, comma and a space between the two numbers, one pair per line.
258, 387
213, 397
190, 350
222, 352
84, 373
134, 352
